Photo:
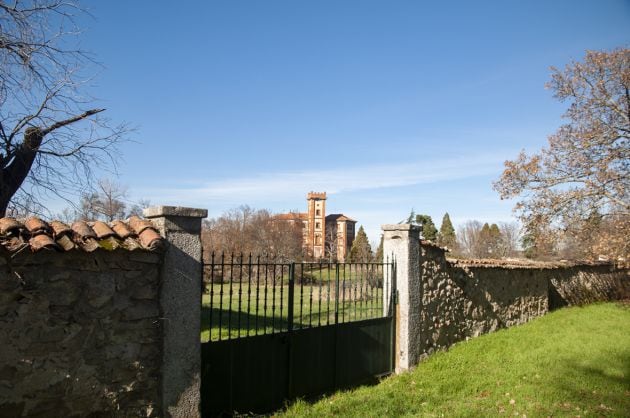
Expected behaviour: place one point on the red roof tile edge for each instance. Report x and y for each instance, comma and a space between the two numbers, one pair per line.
86, 236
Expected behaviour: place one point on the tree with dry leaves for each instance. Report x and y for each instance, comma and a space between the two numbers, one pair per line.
51, 139
251, 231
584, 171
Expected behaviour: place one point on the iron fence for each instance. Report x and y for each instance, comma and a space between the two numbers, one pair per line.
246, 296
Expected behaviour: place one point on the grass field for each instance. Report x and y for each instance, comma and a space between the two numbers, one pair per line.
256, 309
574, 362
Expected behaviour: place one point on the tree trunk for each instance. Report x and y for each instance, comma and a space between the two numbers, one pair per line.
14, 174
16, 171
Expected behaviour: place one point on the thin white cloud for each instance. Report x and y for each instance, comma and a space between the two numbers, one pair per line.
279, 186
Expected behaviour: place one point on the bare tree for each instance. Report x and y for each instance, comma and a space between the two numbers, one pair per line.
51, 139
85, 211
477, 240
509, 243
331, 243
138, 208
468, 239
110, 200
107, 203
246, 230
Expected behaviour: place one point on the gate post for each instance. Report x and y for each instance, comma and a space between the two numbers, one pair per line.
180, 308
402, 243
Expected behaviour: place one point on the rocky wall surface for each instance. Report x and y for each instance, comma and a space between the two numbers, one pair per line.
462, 301
580, 285
80, 333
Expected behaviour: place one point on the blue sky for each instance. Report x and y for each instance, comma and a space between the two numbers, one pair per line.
386, 105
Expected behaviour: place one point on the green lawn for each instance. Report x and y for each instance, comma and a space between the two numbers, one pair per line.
574, 362
254, 309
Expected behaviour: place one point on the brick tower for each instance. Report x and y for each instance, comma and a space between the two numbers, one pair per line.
316, 224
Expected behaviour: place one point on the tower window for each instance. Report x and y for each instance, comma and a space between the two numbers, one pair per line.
318, 225
318, 212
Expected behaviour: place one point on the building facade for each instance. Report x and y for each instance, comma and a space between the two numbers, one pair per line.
325, 237
340, 230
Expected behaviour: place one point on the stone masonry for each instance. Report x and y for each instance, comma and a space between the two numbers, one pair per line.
441, 302
80, 334
101, 320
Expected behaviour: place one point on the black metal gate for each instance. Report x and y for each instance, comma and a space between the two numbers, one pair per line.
275, 332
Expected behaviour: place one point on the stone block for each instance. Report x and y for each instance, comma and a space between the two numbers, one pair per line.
140, 310
174, 211
62, 293
148, 291
142, 256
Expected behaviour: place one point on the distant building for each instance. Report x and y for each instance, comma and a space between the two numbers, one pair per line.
324, 236
341, 228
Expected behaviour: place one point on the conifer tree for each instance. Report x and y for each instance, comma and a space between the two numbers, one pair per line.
429, 232
484, 243
411, 219
446, 236
379, 251
494, 240
361, 250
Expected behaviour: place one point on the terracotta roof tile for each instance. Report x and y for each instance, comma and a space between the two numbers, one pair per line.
82, 230
60, 229
65, 242
42, 241
14, 244
149, 238
121, 229
138, 225
37, 235
519, 263
36, 226
9, 226
101, 230
339, 217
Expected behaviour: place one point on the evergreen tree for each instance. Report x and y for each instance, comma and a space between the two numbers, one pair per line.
529, 246
411, 219
484, 243
446, 237
361, 250
429, 232
379, 251
494, 240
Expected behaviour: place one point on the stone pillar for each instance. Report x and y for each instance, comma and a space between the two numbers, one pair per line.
402, 243
180, 305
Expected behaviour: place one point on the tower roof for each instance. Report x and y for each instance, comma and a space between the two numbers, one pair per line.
339, 217
316, 195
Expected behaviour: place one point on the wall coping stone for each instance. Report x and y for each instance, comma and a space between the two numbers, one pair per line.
161, 211
400, 227
516, 263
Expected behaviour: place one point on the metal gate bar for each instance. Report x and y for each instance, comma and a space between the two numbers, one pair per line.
277, 331
246, 296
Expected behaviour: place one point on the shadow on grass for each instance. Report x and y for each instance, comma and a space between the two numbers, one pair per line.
603, 389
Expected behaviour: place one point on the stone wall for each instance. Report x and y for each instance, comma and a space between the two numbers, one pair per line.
462, 300
80, 333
